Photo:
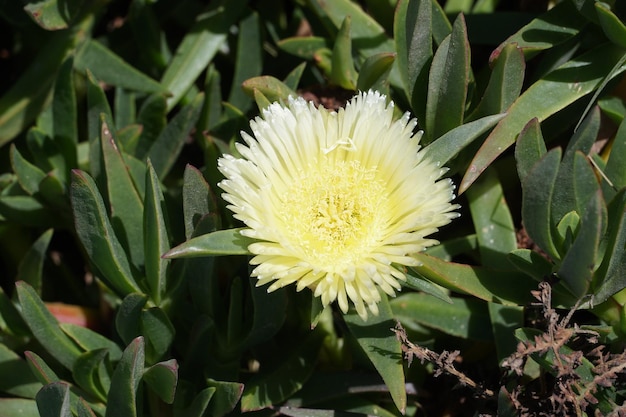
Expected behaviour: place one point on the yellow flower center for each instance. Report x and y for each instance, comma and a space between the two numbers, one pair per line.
333, 213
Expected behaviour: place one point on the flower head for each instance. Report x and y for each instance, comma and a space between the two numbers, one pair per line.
338, 201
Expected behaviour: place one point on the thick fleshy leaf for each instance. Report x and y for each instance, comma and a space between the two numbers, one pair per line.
538, 189
292, 80
272, 88
544, 98
529, 149
414, 44
96, 234
97, 105
612, 26
382, 347
276, 385
304, 47
197, 49
54, 14
611, 275
462, 317
64, 113
11, 407
158, 332
368, 36
450, 144
152, 117
420, 283
504, 286
221, 242
125, 109
578, 264
40, 368
31, 266
448, 82
374, 71
615, 168
531, 263
504, 84
559, 24
125, 203
45, 327
89, 340
53, 400
22, 383
21, 104
28, 175
162, 378
125, 383
86, 372
156, 237
343, 73
128, 319
586, 184
198, 406
166, 148
249, 59
226, 397
110, 68
504, 321
492, 221
198, 201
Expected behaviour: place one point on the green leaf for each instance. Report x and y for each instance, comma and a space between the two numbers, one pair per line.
96, 234
45, 327
537, 191
125, 203
21, 104
531, 263
611, 275
504, 85
30, 269
420, 283
612, 26
152, 118
197, 49
227, 395
53, 400
54, 14
26, 210
343, 73
450, 144
198, 406
448, 83
97, 105
22, 382
198, 201
295, 367
529, 149
261, 101
492, 221
162, 378
270, 311
28, 175
166, 148
504, 321
89, 340
586, 184
304, 47
125, 383
555, 91
64, 113
414, 44
374, 71
221, 242
125, 110
156, 237
86, 373
504, 286
559, 24
158, 332
382, 347
128, 318
272, 88
615, 168
578, 264
40, 368
249, 59
462, 317
11, 407
112, 69
293, 78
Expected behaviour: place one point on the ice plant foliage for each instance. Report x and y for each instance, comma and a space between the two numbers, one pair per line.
338, 201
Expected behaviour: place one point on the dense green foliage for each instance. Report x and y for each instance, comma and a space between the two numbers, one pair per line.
113, 115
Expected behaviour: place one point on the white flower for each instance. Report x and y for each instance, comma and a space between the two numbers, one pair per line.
338, 201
